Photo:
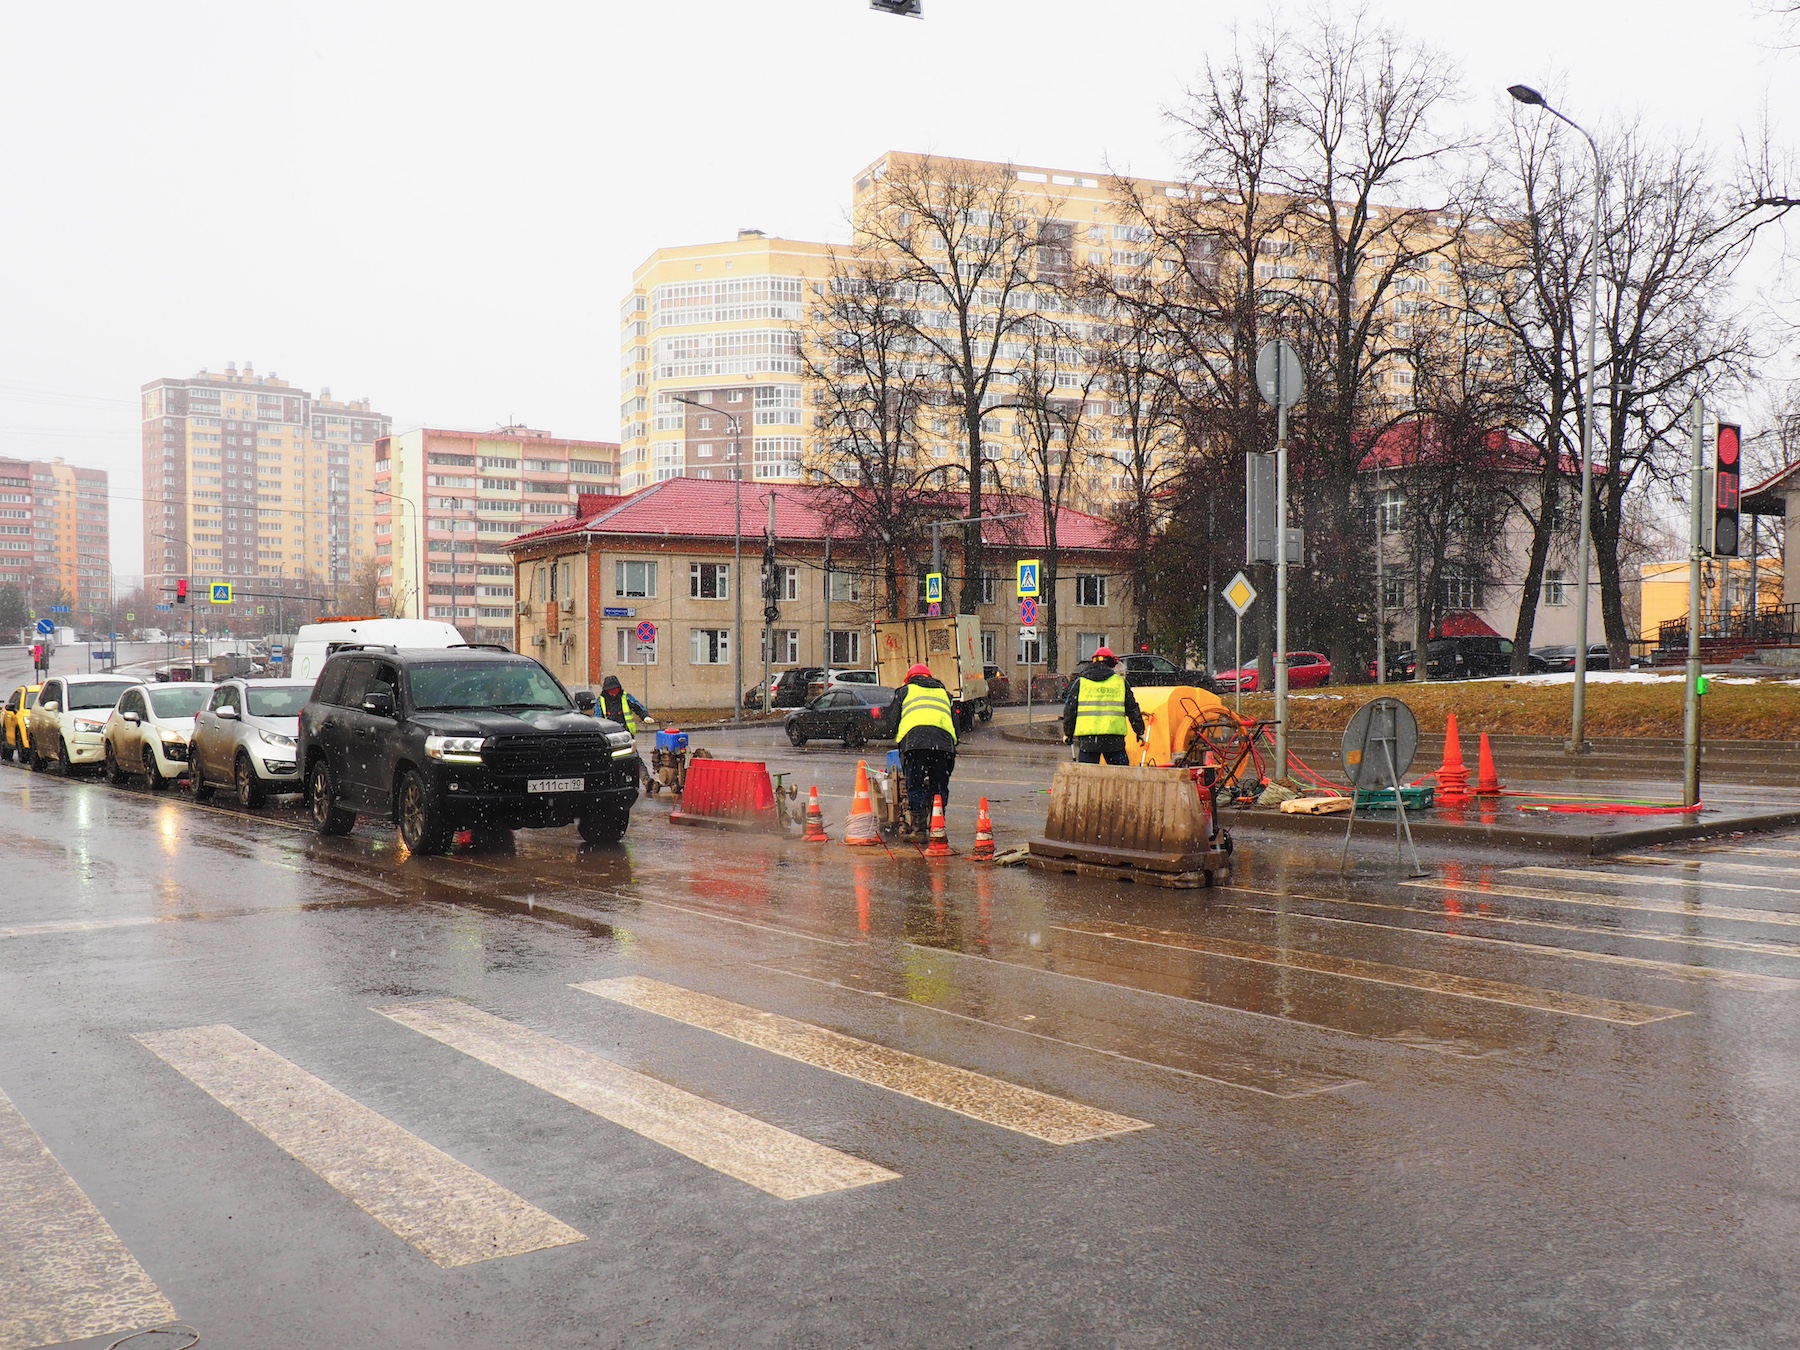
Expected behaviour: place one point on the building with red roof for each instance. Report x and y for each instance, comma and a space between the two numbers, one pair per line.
664, 556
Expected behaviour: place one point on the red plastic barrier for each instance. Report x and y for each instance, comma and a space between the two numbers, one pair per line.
732, 793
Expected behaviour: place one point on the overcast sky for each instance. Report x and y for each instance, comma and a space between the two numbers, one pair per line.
440, 205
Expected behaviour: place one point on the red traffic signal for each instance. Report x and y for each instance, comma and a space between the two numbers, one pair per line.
181, 591
1727, 464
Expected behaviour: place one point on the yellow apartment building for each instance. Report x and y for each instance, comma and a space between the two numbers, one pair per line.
55, 536
1724, 586
251, 480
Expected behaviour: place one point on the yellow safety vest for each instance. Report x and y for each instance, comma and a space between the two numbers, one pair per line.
1100, 710
625, 718
926, 707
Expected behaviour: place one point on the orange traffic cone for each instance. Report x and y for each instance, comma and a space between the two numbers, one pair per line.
815, 819
1487, 783
939, 847
862, 829
1452, 775
984, 834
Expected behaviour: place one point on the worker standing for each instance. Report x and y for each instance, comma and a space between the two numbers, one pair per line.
615, 705
925, 723
1099, 707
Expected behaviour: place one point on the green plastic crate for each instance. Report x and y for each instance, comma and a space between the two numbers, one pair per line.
1382, 799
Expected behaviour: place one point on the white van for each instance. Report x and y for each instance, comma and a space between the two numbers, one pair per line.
317, 641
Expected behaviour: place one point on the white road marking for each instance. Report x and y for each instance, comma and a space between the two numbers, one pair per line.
447, 1210
1690, 910
64, 1273
1683, 861
1638, 879
765, 1156
1055, 1120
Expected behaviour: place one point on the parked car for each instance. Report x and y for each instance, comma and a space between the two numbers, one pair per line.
1467, 658
1560, 658
69, 718
246, 737
15, 738
838, 679
149, 733
315, 642
848, 714
1306, 670
459, 738
787, 688
1000, 690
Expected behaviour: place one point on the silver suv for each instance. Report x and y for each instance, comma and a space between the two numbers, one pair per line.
244, 739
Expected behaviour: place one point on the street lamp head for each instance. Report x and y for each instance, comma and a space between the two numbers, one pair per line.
1524, 93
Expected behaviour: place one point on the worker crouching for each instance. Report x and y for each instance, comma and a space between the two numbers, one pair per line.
925, 725
1097, 711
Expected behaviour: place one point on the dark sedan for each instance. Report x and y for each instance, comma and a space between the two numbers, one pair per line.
846, 714
1560, 659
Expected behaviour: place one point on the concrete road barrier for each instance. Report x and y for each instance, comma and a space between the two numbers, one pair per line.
1144, 824
731, 794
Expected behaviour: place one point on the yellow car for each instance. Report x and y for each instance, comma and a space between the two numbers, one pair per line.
17, 739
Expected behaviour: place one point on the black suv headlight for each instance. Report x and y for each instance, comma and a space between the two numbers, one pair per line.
623, 743
455, 749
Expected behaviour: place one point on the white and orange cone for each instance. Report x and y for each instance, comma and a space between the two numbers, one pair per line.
815, 819
939, 847
862, 829
984, 834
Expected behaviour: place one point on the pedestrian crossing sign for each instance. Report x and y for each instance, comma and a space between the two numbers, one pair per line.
934, 588
1028, 578
221, 593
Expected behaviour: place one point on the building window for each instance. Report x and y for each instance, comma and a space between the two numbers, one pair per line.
1462, 588
1090, 590
990, 588
846, 586
709, 581
1556, 587
709, 646
1031, 651
1393, 592
788, 583
846, 647
1086, 644
629, 651
786, 646
1390, 509
990, 646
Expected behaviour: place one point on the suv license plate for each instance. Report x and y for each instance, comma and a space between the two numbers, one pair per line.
556, 785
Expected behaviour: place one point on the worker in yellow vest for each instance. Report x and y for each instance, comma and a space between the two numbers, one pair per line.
1098, 709
924, 722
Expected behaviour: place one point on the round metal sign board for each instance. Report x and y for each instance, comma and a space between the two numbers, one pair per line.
1278, 373
1380, 727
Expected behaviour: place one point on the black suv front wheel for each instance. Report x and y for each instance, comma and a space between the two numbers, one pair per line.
328, 817
422, 826
605, 824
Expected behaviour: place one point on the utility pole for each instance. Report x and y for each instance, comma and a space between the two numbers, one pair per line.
1698, 506
826, 663
771, 593
1380, 584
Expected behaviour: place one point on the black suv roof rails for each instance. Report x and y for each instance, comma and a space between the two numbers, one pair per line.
365, 647
480, 647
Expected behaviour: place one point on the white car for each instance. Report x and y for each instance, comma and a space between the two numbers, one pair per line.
69, 719
844, 679
149, 732
244, 739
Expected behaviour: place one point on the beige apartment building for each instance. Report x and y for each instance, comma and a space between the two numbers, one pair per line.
447, 502
251, 480
55, 536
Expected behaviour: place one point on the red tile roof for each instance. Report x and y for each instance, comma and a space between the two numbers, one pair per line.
1399, 445
704, 508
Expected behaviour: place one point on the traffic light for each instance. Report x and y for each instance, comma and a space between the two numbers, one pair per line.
37, 655
181, 590
1727, 463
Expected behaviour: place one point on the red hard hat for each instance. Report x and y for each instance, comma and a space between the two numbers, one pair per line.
1104, 654
920, 669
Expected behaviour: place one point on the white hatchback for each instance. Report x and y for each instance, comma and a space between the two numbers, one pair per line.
151, 730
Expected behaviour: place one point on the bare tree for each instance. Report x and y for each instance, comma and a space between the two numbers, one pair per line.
962, 240
872, 385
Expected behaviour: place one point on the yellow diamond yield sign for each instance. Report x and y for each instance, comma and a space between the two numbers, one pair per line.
1240, 594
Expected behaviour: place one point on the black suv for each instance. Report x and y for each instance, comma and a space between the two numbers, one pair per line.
1465, 658
459, 738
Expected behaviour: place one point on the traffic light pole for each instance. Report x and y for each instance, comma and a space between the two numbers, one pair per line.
1698, 506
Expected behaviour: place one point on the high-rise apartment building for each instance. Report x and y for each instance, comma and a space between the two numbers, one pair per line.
468, 493
718, 324
55, 534
246, 476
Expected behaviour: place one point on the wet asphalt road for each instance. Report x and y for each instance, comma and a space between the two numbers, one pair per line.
1527, 1102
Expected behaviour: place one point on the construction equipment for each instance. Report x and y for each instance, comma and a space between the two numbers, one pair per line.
669, 762
1140, 824
950, 646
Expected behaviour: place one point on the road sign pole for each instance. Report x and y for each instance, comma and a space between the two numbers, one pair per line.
1690, 740
1281, 576
1237, 696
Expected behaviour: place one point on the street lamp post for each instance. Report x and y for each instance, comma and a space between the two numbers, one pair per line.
418, 547
1577, 744
737, 561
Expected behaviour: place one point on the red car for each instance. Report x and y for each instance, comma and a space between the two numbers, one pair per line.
1306, 670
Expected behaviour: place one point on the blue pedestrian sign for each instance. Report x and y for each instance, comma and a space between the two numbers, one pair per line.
220, 593
1028, 578
46, 627
934, 589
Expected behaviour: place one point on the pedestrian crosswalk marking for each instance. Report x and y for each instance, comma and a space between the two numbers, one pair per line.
447, 1210
765, 1156
1375, 972
1688, 909
1682, 861
1024, 1110
1680, 970
1765, 948
1639, 879
64, 1273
